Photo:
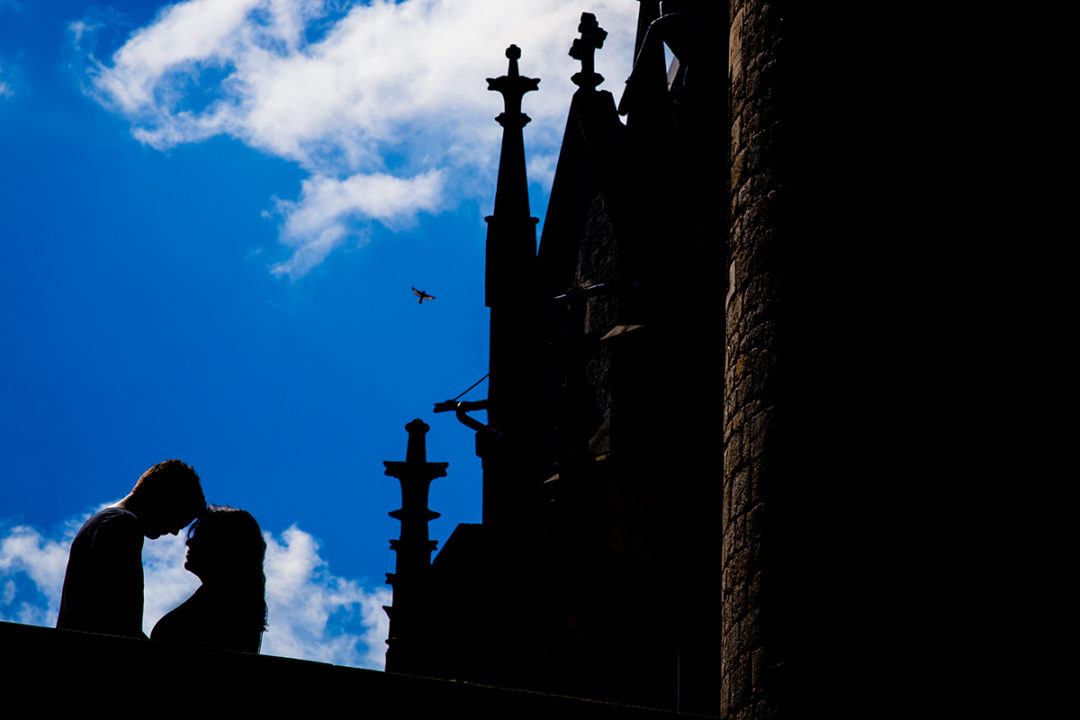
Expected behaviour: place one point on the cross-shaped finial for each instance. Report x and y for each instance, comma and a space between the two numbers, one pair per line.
513, 87
591, 40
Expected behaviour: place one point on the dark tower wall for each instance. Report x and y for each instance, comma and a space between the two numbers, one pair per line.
752, 365
795, 411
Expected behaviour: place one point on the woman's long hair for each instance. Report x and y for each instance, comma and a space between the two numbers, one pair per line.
231, 551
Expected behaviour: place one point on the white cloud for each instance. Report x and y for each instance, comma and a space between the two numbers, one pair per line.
388, 91
26, 553
318, 222
309, 608
166, 583
313, 614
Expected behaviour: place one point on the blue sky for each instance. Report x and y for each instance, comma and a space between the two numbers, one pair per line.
211, 214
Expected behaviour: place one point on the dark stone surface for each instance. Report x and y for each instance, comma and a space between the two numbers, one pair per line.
66, 670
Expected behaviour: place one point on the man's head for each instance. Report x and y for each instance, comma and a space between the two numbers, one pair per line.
167, 498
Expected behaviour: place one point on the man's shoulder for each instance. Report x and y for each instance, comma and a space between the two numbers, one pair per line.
112, 522
112, 515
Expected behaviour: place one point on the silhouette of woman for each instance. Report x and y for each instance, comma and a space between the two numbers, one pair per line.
225, 550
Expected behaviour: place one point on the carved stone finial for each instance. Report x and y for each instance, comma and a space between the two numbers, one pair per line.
584, 48
513, 87
415, 473
417, 448
413, 548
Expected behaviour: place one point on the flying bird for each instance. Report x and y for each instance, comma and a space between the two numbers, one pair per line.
422, 295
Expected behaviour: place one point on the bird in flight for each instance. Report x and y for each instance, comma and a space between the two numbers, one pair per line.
422, 295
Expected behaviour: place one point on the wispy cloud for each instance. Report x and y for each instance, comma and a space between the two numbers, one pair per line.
5, 87
313, 614
373, 97
318, 222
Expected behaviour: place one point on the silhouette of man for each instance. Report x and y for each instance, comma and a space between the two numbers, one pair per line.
103, 585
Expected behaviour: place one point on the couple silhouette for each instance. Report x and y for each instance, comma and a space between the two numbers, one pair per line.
103, 585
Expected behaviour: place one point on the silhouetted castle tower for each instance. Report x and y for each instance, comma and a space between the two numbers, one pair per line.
653, 505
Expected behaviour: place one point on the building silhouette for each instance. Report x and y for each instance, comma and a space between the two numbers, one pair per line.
661, 419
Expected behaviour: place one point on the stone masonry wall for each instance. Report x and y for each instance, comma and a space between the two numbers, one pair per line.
752, 305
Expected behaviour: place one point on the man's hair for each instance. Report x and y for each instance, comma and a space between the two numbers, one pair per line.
175, 481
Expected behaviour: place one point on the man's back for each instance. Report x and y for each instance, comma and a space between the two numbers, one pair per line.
103, 586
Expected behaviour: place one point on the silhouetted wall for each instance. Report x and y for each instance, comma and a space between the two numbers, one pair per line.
63, 670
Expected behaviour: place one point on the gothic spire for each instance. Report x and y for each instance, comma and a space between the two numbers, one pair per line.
512, 294
511, 244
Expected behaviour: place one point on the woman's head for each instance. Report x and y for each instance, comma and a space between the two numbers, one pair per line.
225, 543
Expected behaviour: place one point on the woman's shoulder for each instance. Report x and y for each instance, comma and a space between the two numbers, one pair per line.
182, 622
209, 618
